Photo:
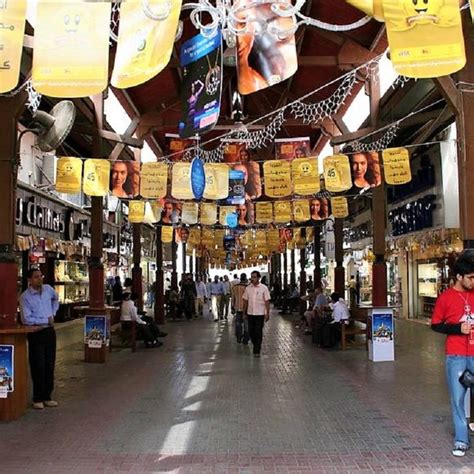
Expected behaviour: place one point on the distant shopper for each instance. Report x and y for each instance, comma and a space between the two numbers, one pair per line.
257, 309
241, 323
39, 304
188, 296
216, 290
453, 316
225, 300
117, 291
201, 295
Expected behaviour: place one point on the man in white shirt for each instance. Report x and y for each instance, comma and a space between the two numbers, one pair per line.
225, 300
201, 295
233, 283
256, 300
216, 291
340, 311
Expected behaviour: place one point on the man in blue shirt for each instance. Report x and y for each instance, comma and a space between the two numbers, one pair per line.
216, 290
39, 304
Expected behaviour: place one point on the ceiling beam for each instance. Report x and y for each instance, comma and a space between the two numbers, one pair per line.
108, 135
449, 91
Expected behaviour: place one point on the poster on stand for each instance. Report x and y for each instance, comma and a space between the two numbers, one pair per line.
7, 368
201, 60
95, 331
381, 335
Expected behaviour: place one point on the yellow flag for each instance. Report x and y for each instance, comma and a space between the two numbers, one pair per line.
219, 238
301, 210
181, 181
154, 179
283, 212
12, 19
305, 176
309, 234
208, 213
68, 175
207, 237
71, 54
194, 236
144, 45
396, 163
167, 234
337, 173
260, 239
189, 213
136, 211
277, 176
264, 212
249, 238
96, 177
152, 212
340, 207
223, 212
217, 181
273, 239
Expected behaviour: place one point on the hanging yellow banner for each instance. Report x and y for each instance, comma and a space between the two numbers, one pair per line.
217, 181
396, 163
219, 238
181, 181
273, 239
309, 234
152, 212
249, 238
96, 177
167, 234
260, 239
208, 213
194, 236
189, 213
154, 179
305, 176
337, 173
12, 21
144, 45
71, 53
301, 210
68, 174
136, 212
223, 212
207, 237
282, 212
277, 174
340, 207
264, 212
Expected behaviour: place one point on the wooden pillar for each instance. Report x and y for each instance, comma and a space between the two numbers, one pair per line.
174, 257
183, 250
302, 280
11, 109
278, 274
339, 272
317, 257
137, 280
293, 268
160, 284
285, 268
191, 265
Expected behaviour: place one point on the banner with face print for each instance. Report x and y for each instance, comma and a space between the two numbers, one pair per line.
68, 175
144, 45
337, 173
396, 164
154, 180
207, 237
305, 175
96, 177
12, 19
291, 148
365, 169
125, 179
318, 209
263, 59
71, 54
201, 60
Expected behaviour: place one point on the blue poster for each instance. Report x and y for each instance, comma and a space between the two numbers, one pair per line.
201, 60
382, 327
95, 331
236, 187
7, 368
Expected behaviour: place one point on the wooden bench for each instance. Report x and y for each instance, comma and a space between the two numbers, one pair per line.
357, 327
128, 338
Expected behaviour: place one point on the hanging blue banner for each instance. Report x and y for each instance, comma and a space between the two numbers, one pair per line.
198, 178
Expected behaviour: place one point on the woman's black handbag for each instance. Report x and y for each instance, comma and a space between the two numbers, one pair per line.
467, 379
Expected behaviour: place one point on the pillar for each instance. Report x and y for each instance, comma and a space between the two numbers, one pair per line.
183, 250
302, 280
339, 273
137, 269
174, 257
317, 257
285, 268
293, 268
160, 284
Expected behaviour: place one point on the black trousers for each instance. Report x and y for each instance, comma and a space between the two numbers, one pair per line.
42, 357
256, 332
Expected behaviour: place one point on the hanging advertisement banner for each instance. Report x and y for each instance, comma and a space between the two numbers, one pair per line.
223, 212
291, 148
12, 19
301, 210
71, 53
217, 181
190, 213
318, 209
154, 180
277, 174
263, 59
305, 176
337, 173
125, 179
264, 212
7, 369
365, 170
167, 234
144, 45
236, 187
396, 164
201, 60
136, 211
181, 181
340, 207
282, 212
207, 237
176, 146
68, 175
208, 213
96, 177
194, 236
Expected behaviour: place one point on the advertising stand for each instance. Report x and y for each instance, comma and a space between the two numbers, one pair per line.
381, 335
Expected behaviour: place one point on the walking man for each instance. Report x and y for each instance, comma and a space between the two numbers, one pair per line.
256, 299
216, 290
241, 324
453, 316
201, 295
39, 304
225, 300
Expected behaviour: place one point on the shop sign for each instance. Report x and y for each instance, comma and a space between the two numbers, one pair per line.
29, 212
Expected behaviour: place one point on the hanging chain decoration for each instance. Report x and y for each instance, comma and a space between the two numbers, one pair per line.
114, 21
208, 156
315, 113
381, 144
34, 98
400, 81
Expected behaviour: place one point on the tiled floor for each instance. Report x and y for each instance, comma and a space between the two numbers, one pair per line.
202, 403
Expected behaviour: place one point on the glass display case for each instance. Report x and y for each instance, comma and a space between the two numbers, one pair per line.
428, 281
71, 281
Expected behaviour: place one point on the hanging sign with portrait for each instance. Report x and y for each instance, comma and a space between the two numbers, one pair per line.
201, 60
340, 207
396, 166
125, 179
301, 210
217, 181
144, 44
292, 148
337, 173
96, 177
277, 174
283, 212
167, 234
68, 175
305, 176
208, 213
181, 181
264, 212
71, 54
136, 212
264, 58
190, 213
365, 169
12, 19
154, 180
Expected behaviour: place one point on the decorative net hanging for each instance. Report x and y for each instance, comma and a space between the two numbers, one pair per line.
380, 144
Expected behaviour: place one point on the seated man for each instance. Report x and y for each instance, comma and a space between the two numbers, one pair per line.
340, 316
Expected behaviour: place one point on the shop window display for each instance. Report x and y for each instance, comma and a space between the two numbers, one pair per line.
71, 281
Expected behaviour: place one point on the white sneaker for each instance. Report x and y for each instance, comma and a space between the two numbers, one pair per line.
50, 404
459, 451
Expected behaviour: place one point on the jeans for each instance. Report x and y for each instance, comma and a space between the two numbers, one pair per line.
224, 306
256, 332
455, 366
241, 328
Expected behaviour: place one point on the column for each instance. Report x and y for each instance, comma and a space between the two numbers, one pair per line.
137, 269
339, 273
174, 257
317, 256
160, 284
302, 280
293, 268
285, 268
